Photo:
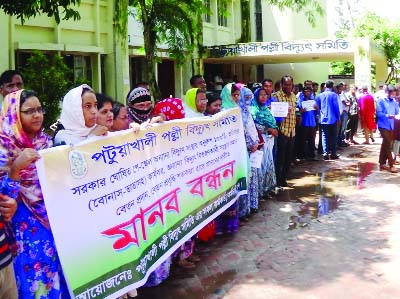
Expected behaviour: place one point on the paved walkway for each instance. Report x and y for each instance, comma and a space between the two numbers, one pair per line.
285, 251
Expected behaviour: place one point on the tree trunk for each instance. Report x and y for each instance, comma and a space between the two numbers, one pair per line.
149, 36
197, 62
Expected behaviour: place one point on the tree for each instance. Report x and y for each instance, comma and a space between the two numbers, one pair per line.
386, 35
171, 22
50, 78
25, 9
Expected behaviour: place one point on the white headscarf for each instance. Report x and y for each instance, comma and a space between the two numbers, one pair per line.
72, 117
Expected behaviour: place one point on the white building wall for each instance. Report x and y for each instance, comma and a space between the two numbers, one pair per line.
287, 25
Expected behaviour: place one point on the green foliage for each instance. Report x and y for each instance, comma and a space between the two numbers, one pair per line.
171, 22
246, 30
342, 68
48, 76
310, 8
386, 35
25, 9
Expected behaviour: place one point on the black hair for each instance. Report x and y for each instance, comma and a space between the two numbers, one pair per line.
8, 75
85, 90
315, 84
305, 82
117, 108
267, 80
212, 97
26, 94
141, 83
305, 88
234, 88
194, 78
102, 99
329, 84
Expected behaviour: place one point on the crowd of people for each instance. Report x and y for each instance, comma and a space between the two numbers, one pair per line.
29, 263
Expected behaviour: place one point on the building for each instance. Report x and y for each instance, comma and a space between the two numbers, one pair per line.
89, 46
282, 42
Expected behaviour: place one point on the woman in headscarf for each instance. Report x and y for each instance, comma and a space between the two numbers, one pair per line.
195, 103
266, 125
234, 95
37, 267
253, 143
141, 108
78, 117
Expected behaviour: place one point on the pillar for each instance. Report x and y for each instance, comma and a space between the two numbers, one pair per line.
381, 72
362, 62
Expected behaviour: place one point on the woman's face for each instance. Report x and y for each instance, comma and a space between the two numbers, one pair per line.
121, 121
214, 107
262, 97
201, 102
236, 95
31, 116
105, 116
89, 108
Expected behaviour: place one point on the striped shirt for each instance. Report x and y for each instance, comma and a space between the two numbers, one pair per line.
288, 126
5, 253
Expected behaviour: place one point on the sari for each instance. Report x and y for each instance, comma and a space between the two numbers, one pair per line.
264, 120
37, 266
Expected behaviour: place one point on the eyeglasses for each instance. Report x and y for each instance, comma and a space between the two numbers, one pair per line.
32, 111
202, 100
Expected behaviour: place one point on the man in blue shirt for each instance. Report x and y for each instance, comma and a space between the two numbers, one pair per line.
308, 124
329, 115
386, 111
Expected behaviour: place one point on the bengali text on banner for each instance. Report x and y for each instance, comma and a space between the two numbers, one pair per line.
122, 204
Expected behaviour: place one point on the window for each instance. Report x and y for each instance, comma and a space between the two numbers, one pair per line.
258, 18
222, 11
81, 67
207, 15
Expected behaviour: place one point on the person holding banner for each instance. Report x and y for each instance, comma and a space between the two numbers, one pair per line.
195, 103
78, 117
21, 138
266, 125
228, 221
105, 115
241, 96
141, 108
121, 117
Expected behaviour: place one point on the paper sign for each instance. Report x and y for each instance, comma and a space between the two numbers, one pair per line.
279, 109
308, 105
256, 159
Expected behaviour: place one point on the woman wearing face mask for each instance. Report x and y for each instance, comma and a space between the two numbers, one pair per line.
140, 107
78, 117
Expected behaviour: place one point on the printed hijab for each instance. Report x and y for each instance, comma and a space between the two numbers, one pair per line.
13, 140
72, 117
139, 95
261, 113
